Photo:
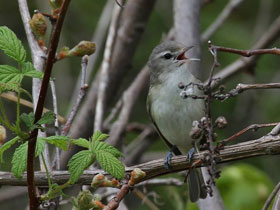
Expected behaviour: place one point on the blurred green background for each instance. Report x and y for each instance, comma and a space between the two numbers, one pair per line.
244, 184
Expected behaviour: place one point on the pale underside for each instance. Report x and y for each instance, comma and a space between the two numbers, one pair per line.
172, 114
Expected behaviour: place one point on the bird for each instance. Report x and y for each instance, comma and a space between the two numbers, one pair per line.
171, 114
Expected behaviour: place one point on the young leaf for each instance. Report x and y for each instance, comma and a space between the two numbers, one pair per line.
78, 163
47, 118
81, 142
19, 160
59, 141
98, 146
29, 71
40, 146
110, 164
6, 146
28, 119
10, 74
11, 45
99, 136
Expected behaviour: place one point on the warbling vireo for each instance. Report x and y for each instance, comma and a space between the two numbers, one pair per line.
171, 114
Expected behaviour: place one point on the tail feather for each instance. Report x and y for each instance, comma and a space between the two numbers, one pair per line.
196, 185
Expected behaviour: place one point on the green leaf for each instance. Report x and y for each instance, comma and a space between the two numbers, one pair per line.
98, 146
78, 163
110, 164
99, 136
40, 146
28, 120
59, 141
6, 146
10, 74
29, 71
47, 118
81, 142
19, 160
11, 45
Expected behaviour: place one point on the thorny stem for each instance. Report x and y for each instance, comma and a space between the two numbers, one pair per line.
33, 199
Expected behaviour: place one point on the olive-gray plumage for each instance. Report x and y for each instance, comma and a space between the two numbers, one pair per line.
171, 114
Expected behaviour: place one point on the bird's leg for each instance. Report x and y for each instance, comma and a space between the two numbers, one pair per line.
169, 155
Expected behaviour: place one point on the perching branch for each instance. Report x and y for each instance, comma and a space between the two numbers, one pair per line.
266, 145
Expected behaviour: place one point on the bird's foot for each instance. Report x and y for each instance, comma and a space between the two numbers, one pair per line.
167, 161
191, 153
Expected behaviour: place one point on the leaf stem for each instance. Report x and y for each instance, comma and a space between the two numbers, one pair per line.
47, 171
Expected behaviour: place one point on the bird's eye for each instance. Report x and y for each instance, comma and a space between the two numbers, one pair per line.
167, 55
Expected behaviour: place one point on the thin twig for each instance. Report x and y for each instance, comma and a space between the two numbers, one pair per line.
240, 88
271, 197
98, 37
33, 199
250, 127
223, 16
248, 53
275, 131
267, 38
56, 124
145, 199
114, 203
104, 79
82, 92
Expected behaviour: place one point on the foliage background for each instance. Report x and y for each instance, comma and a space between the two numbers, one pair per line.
243, 183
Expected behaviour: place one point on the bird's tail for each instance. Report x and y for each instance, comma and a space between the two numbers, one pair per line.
197, 187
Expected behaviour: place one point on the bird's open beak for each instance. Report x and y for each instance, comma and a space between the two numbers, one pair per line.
182, 55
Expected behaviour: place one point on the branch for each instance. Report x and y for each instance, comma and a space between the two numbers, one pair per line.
28, 104
266, 145
105, 67
223, 16
271, 196
82, 93
248, 53
267, 38
134, 20
128, 98
33, 199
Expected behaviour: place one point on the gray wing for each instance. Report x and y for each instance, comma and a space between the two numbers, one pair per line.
174, 149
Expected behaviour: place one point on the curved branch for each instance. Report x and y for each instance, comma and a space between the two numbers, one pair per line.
266, 145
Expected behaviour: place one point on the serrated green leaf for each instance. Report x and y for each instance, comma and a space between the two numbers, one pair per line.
110, 164
29, 71
19, 160
28, 119
99, 146
6, 146
59, 141
99, 136
81, 142
40, 146
47, 118
11, 45
78, 163
10, 74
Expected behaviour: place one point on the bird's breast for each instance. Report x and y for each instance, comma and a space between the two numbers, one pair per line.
173, 114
